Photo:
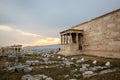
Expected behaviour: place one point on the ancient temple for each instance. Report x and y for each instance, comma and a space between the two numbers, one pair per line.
98, 37
71, 40
11, 50
15, 49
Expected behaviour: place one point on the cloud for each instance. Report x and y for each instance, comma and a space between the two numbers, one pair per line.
48, 41
17, 36
5, 28
28, 33
8, 28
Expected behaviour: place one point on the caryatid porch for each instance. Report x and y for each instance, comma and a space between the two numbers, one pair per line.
71, 41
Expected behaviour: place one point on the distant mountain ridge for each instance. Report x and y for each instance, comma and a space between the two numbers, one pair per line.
54, 46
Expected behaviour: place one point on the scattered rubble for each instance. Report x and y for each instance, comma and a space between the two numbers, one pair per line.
107, 64
28, 69
78, 68
36, 77
85, 65
59, 57
94, 62
72, 79
83, 69
88, 74
108, 71
69, 64
95, 68
66, 76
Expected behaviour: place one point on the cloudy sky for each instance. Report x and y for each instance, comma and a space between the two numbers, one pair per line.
38, 22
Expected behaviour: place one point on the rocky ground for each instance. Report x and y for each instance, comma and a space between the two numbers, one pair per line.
58, 67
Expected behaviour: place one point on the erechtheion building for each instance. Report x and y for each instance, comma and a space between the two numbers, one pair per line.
98, 37
11, 50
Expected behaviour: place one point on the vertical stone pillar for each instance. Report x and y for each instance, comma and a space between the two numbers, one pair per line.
66, 39
76, 37
61, 39
77, 47
71, 38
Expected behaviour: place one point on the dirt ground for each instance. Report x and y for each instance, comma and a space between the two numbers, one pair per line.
102, 61
56, 72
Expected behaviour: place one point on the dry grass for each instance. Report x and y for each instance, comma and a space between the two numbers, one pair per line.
58, 73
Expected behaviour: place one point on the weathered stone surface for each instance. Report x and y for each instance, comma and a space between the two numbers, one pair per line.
27, 77
107, 64
49, 78
72, 79
83, 69
95, 68
36, 77
88, 74
27, 69
94, 62
11, 69
66, 76
85, 65
100, 37
107, 71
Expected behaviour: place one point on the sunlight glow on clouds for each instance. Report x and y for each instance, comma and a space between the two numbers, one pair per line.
47, 40
29, 34
31, 22
5, 28
22, 36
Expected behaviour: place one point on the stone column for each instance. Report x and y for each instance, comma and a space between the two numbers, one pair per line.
76, 37
61, 39
66, 39
77, 41
70, 38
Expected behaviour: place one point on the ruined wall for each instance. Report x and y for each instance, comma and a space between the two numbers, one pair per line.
102, 35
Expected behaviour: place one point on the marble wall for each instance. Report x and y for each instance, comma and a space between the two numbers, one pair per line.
102, 35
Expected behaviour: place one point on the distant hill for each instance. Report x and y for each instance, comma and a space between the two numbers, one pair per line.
55, 46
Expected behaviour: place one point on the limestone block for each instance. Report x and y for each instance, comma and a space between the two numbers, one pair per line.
115, 34
118, 20
88, 74
107, 18
107, 64
94, 62
111, 25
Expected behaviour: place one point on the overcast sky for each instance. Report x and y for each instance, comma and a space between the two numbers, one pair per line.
38, 22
